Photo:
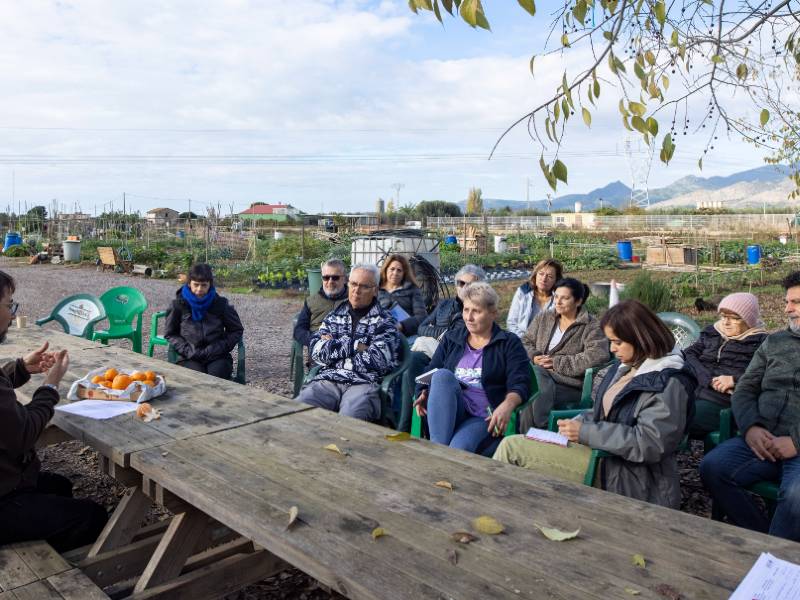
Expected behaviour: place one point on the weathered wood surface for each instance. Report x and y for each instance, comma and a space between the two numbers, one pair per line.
249, 478
195, 403
33, 570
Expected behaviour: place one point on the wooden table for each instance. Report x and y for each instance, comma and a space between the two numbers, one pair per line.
243, 472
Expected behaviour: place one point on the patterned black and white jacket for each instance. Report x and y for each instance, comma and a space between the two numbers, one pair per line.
354, 357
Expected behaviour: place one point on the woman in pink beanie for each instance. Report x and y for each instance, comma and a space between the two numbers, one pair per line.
720, 357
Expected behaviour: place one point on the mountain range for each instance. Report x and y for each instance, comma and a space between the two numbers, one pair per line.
762, 186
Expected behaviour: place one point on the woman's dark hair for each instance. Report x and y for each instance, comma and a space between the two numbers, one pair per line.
633, 322
6, 284
580, 291
201, 272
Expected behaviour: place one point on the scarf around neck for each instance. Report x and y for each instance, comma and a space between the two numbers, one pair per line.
752, 331
199, 306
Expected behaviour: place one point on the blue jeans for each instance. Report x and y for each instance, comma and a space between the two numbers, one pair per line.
449, 422
732, 466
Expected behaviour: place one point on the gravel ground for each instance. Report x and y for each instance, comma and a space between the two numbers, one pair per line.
267, 323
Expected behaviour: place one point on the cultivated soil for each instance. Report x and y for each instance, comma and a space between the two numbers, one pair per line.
267, 322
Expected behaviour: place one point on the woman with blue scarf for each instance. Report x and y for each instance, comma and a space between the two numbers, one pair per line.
202, 326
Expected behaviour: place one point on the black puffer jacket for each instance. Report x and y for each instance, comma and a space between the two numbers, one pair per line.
203, 341
446, 316
711, 355
409, 298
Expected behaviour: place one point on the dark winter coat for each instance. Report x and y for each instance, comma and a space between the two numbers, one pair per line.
20, 427
213, 337
314, 310
712, 355
409, 298
447, 315
505, 367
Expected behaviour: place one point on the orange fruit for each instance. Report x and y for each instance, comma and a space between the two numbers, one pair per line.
138, 376
151, 375
143, 409
110, 374
107, 384
121, 382
98, 379
149, 383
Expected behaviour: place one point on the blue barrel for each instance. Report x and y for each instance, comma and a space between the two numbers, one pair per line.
753, 254
625, 250
181, 234
12, 239
451, 239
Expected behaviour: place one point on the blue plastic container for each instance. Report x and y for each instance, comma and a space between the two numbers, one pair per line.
451, 239
12, 239
625, 250
753, 254
181, 234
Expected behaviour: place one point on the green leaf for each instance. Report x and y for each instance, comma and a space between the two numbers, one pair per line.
556, 111
638, 561
557, 535
639, 71
398, 436
579, 12
587, 117
560, 170
565, 108
547, 129
660, 11
700, 164
637, 108
437, 12
626, 123
650, 57
596, 88
716, 59
623, 111
472, 12
565, 40
652, 126
567, 91
448, 5
667, 149
665, 82
764, 117
531, 65
638, 124
528, 5
619, 64
590, 95
612, 65
741, 71
608, 35
674, 38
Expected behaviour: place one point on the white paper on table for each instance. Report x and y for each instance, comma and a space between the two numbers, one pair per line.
98, 409
770, 578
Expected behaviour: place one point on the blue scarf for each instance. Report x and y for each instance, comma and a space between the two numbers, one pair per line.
199, 305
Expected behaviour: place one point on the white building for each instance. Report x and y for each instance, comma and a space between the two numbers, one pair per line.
162, 216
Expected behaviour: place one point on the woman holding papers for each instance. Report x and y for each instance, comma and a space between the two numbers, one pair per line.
400, 294
562, 344
482, 376
641, 413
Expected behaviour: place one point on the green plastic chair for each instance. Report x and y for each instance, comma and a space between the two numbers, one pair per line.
124, 309
594, 459
77, 315
297, 368
513, 423
387, 418
238, 375
685, 330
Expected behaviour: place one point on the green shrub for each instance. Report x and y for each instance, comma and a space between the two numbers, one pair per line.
16, 251
650, 292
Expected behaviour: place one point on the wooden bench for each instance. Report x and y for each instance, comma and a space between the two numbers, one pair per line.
110, 259
34, 570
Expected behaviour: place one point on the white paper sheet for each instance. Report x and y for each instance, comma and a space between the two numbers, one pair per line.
98, 409
769, 579
544, 435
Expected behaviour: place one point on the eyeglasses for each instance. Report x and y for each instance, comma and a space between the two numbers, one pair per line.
462, 283
13, 307
361, 286
331, 277
734, 318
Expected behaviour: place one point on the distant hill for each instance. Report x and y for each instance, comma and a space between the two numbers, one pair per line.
754, 187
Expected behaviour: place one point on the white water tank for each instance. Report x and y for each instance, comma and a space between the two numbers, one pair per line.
578, 207
500, 244
373, 250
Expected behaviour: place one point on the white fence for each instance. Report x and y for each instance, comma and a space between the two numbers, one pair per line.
634, 223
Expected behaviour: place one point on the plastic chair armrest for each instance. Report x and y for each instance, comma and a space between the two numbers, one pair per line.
726, 424
555, 415
44, 320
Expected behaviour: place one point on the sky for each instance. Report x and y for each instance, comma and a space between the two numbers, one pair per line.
327, 105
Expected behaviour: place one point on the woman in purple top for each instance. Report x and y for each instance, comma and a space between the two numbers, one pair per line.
483, 376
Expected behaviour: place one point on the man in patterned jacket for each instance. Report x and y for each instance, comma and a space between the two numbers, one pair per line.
356, 345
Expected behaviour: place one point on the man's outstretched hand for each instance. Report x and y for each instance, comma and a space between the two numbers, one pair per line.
39, 360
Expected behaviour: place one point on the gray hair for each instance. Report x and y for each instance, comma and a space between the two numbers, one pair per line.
474, 270
376, 272
481, 293
334, 263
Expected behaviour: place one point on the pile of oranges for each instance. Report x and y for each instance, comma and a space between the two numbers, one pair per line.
113, 379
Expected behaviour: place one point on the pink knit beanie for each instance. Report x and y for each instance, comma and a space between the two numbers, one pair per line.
743, 304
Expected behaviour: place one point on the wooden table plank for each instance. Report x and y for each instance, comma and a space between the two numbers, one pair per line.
41, 558
249, 477
74, 585
14, 572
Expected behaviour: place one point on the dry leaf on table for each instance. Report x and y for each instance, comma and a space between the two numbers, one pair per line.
334, 448
444, 484
632, 591
668, 592
452, 556
556, 534
399, 436
293, 512
488, 525
378, 532
463, 537
638, 561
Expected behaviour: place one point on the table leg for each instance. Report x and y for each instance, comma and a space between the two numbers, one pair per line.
124, 524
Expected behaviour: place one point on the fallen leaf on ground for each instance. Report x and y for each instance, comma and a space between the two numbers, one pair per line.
668, 591
632, 591
344, 439
638, 561
488, 525
462, 537
452, 556
334, 448
444, 484
293, 512
400, 436
556, 534
378, 532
